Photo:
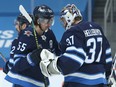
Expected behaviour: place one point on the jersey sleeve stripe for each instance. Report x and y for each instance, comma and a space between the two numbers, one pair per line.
74, 57
108, 51
77, 54
87, 76
80, 50
23, 79
109, 60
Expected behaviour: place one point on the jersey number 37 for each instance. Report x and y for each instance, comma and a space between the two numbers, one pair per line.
93, 43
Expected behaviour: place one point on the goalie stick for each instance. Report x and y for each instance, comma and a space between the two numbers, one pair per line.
4, 59
26, 15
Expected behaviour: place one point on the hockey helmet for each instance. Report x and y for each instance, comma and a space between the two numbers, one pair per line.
21, 19
69, 13
43, 13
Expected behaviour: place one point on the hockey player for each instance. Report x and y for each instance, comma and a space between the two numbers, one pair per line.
20, 24
86, 54
30, 41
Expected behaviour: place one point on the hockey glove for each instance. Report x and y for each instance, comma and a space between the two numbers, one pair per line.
33, 58
7, 67
48, 64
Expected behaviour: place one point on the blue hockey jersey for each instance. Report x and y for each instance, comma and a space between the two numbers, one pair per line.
22, 72
9, 64
86, 57
12, 52
13, 47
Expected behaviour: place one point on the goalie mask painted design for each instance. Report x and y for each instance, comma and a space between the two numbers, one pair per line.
68, 14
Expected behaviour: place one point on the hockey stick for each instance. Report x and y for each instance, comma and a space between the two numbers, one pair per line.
26, 15
4, 59
113, 68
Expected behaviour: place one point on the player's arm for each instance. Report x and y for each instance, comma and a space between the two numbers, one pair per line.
73, 56
47, 61
33, 58
52, 64
9, 64
108, 65
108, 60
25, 43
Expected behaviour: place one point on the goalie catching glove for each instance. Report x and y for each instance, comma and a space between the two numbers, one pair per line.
48, 64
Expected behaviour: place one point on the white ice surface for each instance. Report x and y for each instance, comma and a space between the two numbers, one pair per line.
55, 81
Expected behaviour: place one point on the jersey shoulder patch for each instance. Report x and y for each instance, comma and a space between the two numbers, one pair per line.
28, 33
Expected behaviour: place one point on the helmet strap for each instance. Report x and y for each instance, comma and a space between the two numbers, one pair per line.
40, 27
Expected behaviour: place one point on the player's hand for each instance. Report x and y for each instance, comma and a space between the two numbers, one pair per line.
33, 58
5, 68
8, 65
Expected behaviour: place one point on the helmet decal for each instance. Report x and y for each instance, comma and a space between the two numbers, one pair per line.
44, 12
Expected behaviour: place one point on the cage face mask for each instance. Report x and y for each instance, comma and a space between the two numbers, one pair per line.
68, 14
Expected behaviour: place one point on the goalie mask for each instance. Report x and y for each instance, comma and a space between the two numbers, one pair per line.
69, 14
43, 14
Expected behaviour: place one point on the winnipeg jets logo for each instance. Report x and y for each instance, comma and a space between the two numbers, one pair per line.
28, 33
43, 37
41, 9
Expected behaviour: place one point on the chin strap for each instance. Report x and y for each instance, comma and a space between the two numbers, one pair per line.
40, 27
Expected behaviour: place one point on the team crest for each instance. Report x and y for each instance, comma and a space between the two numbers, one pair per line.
28, 33
43, 37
